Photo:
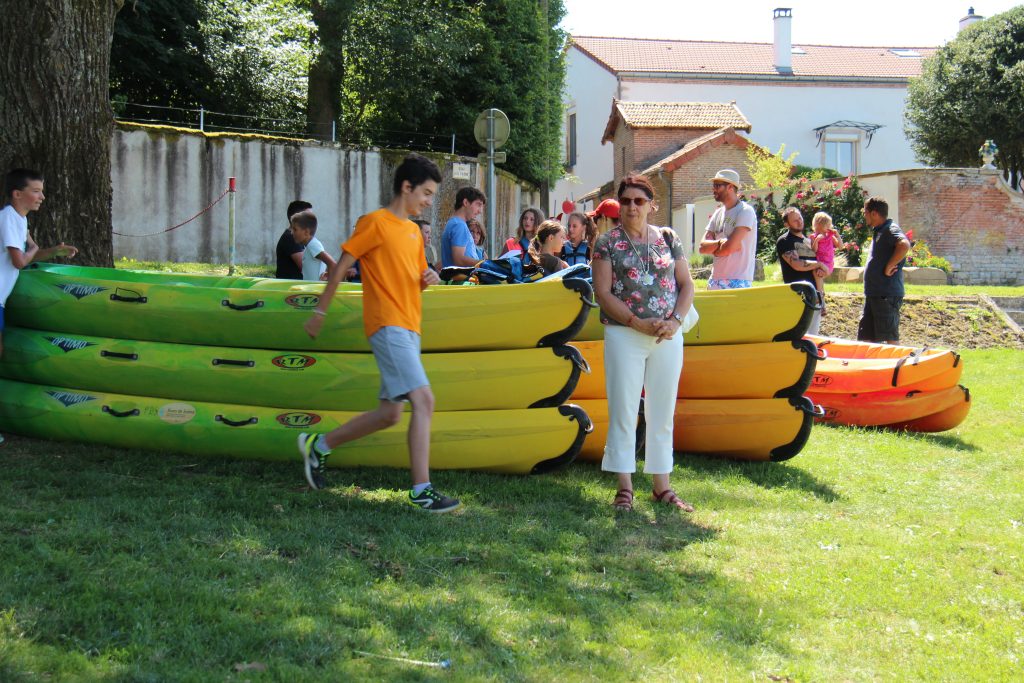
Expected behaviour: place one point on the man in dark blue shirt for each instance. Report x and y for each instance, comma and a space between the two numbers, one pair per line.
883, 276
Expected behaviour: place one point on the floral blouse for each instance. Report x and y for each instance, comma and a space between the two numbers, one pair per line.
647, 286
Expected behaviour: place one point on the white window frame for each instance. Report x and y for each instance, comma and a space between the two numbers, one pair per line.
851, 135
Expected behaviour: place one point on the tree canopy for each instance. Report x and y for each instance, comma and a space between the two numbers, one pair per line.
384, 72
970, 91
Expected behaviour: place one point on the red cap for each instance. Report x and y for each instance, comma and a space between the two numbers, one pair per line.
609, 208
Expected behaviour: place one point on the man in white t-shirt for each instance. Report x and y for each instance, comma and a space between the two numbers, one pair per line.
731, 235
23, 190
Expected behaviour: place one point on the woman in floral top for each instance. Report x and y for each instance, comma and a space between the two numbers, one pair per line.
642, 282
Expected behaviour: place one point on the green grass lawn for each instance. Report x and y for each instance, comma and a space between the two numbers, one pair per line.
870, 555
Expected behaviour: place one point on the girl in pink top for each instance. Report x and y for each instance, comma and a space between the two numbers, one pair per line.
824, 242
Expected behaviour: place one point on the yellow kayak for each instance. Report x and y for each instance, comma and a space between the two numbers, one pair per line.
509, 441
740, 316
764, 370
773, 429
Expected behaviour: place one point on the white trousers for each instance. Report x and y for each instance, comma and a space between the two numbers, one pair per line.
635, 364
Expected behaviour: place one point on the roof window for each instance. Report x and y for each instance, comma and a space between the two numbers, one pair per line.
905, 52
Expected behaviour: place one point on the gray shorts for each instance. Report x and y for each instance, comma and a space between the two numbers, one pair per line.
397, 351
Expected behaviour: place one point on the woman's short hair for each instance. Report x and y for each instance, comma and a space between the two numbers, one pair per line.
637, 180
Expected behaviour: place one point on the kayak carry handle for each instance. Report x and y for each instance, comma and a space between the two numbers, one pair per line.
229, 361
233, 423
117, 354
118, 413
238, 307
136, 299
583, 288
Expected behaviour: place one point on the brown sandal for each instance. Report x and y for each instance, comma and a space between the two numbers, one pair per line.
669, 497
623, 500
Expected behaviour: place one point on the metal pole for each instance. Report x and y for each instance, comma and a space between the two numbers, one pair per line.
334, 130
453, 143
202, 119
491, 227
231, 225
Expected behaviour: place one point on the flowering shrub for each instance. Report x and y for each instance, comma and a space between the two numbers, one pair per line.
843, 201
921, 256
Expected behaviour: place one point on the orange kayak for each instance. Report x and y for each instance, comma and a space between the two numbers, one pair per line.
857, 367
892, 407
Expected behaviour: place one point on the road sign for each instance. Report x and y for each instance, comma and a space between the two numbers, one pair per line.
501, 127
499, 158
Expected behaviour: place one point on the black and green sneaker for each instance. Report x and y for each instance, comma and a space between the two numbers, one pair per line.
314, 462
431, 500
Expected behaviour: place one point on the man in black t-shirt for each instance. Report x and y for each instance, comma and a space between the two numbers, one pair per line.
289, 252
797, 268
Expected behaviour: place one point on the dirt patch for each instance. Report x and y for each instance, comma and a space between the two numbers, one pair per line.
952, 322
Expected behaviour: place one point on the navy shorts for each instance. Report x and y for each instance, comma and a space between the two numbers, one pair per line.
1, 318
397, 352
880, 321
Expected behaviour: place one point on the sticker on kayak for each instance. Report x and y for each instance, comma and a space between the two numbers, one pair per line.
293, 361
66, 344
298, 419
830, 413
820, 381
176, 413
303, 302
68, 398
80, 291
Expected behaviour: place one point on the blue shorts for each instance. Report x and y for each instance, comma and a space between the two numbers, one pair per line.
1, 318
729, 284
397, 351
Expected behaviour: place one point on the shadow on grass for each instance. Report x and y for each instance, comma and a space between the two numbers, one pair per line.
942, 439
175, 566
767, 475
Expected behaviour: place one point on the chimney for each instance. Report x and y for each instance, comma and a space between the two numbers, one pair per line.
784, 40
969, 19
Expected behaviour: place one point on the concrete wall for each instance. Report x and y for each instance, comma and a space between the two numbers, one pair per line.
162, 176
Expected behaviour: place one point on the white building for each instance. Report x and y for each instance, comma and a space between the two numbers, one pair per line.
836, 106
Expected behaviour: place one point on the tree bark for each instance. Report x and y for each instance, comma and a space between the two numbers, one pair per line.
55, 109
323, 98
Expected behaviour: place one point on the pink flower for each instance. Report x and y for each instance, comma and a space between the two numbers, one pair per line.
839, 193
621, 246
633, 274
800, 195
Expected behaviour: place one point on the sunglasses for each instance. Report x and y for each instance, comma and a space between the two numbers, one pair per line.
636, 201
718, 186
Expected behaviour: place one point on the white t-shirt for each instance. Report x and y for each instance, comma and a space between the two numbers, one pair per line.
13, 233
738, 265
312, 267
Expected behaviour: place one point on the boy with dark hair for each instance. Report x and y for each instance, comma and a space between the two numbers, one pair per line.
389, 248
315, 259
289, 252
458, 248
23, 191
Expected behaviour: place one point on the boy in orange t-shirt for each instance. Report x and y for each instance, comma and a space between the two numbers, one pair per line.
389, 248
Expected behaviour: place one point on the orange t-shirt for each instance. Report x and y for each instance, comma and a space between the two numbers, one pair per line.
391, 262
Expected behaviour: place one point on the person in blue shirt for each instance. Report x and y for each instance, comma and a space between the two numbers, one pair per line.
883, 276
457, 245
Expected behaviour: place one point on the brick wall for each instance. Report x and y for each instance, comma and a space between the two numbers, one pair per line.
692, 180
969, 217
623, 144
651, 145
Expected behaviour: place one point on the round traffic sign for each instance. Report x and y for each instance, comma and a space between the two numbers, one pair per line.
501, 127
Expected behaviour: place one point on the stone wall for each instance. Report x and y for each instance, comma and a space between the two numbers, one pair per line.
163, 176
970, 217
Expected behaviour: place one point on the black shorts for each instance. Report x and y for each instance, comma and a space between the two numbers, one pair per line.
880, 321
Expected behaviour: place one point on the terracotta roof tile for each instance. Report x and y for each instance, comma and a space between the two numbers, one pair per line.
755, 59
712, 115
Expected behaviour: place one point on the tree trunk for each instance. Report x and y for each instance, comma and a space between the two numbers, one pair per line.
55, 109
323, 98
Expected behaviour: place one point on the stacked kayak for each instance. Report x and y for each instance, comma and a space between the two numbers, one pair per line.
891, 386
222, 367
741, 392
